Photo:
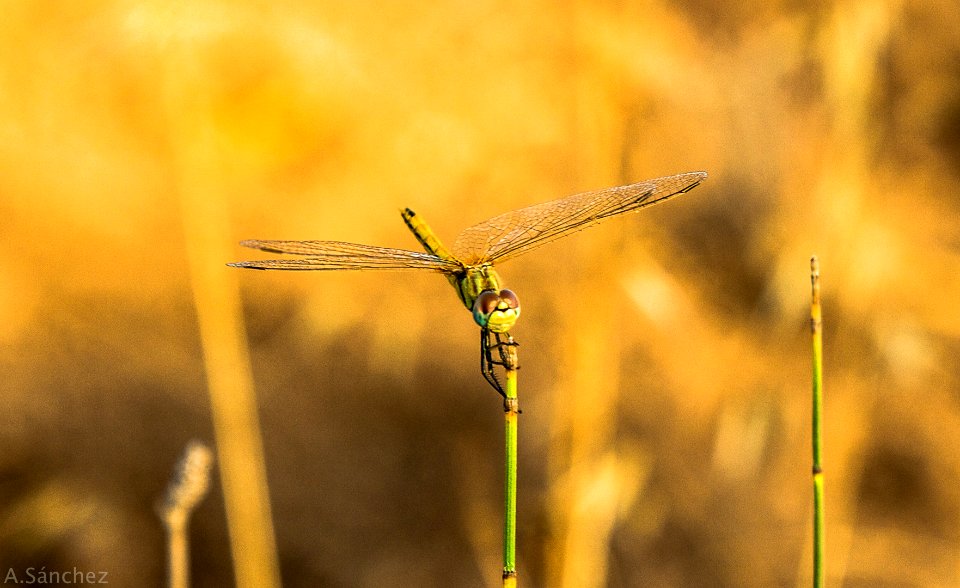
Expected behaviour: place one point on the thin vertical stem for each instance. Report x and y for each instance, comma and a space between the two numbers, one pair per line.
188, 487
511, 409
200, 168
816, 330
178, 557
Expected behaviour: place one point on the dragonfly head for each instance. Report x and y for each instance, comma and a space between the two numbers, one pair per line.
497, 311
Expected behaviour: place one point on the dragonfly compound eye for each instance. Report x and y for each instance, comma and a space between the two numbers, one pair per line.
496, 311
486, 302
510, 298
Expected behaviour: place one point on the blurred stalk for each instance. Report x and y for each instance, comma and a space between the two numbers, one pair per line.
511, 407
816, 330
189, 485
200, 171
587, 390
589, 491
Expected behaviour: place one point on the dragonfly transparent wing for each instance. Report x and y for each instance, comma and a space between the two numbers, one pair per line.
338, 255
516, 232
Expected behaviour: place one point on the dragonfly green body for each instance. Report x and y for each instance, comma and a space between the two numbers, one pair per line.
468, 264
473, 284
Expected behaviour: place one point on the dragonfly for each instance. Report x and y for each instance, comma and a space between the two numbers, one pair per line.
469, 264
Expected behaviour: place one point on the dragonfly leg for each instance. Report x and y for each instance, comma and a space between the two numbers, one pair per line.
506, 356
487, 363
507, 349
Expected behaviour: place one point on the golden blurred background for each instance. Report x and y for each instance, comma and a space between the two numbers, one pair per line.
664, 439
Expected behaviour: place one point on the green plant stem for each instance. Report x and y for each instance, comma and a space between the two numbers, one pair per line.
816, 330
511, 414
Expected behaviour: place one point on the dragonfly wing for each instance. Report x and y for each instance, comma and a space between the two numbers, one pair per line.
516, 232
338, 255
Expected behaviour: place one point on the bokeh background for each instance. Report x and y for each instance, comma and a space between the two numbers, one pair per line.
665, 381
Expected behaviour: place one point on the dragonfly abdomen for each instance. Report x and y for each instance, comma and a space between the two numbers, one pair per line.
497, 315
425, 235
429, 240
